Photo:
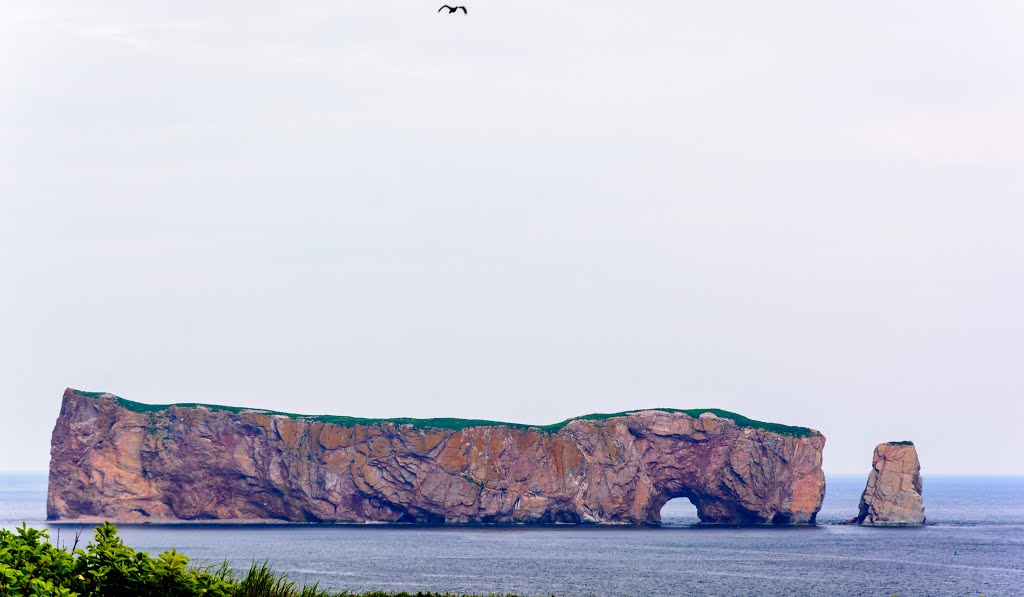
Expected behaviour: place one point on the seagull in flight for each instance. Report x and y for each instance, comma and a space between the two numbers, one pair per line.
452, 9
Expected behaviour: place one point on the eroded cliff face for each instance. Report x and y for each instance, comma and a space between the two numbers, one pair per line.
893, 494
198, 463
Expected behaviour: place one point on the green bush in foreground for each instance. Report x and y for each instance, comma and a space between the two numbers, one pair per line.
31, 566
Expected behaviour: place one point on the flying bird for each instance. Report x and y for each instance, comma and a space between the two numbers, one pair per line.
452, 9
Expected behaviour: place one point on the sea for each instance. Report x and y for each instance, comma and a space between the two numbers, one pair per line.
973, 545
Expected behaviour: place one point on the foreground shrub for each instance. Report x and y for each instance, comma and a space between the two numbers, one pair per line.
32, 566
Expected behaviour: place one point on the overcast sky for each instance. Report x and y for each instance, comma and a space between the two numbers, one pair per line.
805, 212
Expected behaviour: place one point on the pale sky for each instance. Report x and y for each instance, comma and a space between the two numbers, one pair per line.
806, 212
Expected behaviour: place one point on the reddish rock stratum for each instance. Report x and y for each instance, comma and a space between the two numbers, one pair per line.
125, 461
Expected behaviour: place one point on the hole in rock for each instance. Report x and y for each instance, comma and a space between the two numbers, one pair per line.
679, 511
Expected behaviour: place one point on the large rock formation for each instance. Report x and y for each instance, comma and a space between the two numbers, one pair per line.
125, 461
892, 496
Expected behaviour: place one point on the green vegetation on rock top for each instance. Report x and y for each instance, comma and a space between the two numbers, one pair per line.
900, 443
457, 424
90, 394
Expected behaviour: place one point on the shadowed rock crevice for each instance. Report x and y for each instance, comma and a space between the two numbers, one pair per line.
123, 461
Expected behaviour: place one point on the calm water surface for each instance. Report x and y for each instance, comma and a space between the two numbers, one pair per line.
974, 547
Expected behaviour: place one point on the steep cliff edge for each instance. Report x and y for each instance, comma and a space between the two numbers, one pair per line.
125, 461
893, 494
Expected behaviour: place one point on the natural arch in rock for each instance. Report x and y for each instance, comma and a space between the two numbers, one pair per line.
678, 511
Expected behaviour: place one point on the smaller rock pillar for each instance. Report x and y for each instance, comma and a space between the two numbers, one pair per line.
892, 497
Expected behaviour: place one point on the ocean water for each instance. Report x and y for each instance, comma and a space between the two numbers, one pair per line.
974, 545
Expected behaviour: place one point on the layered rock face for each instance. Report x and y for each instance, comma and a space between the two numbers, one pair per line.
892, 497
125, 461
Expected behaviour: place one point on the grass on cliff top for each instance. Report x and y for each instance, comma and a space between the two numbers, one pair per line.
901, 443
457, 424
